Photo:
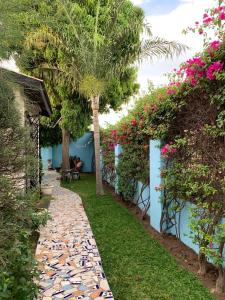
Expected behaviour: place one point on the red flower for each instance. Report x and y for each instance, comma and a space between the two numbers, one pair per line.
123, 137
113, 132
134, 122
167, 149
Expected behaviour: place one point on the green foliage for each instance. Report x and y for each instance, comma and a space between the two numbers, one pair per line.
75, 116
108, 153
18, 215
50, 131
18, 221
91, 86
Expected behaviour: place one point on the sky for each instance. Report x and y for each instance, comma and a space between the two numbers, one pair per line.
167, 18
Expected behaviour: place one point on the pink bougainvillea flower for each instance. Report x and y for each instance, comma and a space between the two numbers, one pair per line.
111, 147
170, 91
113, 132
205, 16
193, 81
222, 16
214, 45
165, 149
196, 60
215, 67
196, 23
168, 149
134, 122
208, 20
218, 9
194, 69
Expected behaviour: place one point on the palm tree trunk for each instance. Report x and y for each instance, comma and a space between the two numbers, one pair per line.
95, 109
65, 150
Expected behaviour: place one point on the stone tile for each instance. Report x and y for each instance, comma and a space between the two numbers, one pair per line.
67, 253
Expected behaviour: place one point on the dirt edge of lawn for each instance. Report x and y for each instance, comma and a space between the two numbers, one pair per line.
184, 255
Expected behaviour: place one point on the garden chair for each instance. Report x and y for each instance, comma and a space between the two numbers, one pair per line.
67, 175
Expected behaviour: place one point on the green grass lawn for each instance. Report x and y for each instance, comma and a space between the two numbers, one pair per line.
137, 267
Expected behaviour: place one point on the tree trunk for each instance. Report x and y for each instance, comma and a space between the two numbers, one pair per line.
220, 283
202, 263
95, 109
65, 150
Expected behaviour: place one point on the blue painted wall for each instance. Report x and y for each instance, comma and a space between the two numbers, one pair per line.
185, 215
82, 147
118, 151
46, 153
156, 163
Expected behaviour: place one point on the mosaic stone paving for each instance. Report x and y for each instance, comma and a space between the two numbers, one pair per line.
69, 260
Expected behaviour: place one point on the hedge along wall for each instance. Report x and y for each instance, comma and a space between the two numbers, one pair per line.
188, 117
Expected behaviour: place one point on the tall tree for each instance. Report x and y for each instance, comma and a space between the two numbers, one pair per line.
29, 16
102, 45
95, 43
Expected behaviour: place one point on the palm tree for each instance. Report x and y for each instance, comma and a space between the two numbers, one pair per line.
98, 43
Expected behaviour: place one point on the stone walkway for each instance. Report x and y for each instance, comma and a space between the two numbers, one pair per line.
69, 260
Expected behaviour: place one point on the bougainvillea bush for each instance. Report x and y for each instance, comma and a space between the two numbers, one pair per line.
188, 116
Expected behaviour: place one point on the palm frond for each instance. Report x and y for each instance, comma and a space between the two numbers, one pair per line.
68, 9
42, 37
159, 47
147, 29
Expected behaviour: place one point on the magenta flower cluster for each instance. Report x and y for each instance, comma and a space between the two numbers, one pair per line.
168, 149
194, 70
214, 68
214, 45
207, 19
219, 11
173, 87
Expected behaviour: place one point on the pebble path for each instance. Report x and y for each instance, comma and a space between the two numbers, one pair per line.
67, 253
